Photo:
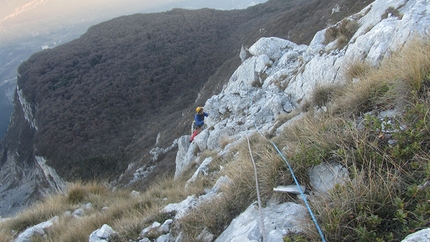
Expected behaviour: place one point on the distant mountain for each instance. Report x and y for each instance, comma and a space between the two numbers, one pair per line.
94, 108
22, 37
219, 4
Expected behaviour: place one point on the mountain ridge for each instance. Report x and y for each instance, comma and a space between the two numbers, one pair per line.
95, 129
350, 113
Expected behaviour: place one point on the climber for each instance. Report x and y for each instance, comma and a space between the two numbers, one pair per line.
199, 121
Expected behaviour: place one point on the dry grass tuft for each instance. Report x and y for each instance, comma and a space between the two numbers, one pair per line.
224, 140
341, 32
5, 237
323, 94
380, 202
72, 229
364, 200
166, 187
361, 97
407, 70
108, 207
284, 118
310, 140
36, 214
238, 195
389, 85
78, 192
357, 70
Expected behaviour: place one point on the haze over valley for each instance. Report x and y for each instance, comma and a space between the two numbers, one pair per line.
29, 26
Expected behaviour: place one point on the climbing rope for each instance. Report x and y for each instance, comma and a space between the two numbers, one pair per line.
293, 175
260, 207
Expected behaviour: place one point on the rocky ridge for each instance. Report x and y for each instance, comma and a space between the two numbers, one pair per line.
51, 116
278, 77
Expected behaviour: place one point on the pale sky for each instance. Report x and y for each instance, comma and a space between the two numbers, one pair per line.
30, 17
18, 17
24, 10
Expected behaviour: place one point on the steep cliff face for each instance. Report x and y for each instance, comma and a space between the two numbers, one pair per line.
95, 108
25, 178
280, 76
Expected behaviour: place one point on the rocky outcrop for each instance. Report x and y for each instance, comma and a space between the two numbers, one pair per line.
279, 219
39, 230
381, 30
97, 99
102, 235
276, 79
280, 76
24, 178
420, 236
325, 176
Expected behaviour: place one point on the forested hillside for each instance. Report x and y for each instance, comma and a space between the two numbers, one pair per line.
100, 101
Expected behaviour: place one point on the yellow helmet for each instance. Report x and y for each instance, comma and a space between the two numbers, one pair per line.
198, 109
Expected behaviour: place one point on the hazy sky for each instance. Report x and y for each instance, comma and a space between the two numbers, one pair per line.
26, 10
18, 17
27, 17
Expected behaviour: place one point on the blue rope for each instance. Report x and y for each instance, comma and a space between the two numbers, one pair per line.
295, 179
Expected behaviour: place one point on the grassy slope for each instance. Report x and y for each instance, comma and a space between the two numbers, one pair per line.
103, 99
388, 160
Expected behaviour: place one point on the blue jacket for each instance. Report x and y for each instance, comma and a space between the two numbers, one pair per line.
200, 119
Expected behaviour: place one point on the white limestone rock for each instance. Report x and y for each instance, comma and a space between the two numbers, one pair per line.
280, 76
419, 236
165, 227
375, 40
202, 170
261, 63
201, 139
54, 180
164, 238
25, 183
243, 78
38, 229
181, 208
151, 230
102, 235
325, 176
185, 155
220, 183
80, 212
205, 235
271, 47
157, 151
279, 220
219, 135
